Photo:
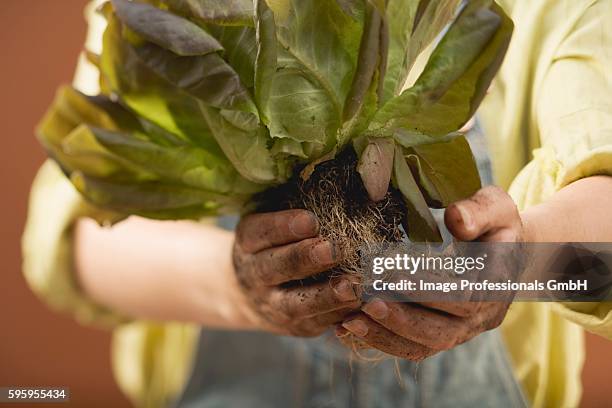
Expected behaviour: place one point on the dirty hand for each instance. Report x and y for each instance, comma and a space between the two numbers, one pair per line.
417, 330
272, 252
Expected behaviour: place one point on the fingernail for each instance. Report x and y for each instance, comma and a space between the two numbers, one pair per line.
377, 309
344, 291
357, 327
324, 253
304, 224
466, 217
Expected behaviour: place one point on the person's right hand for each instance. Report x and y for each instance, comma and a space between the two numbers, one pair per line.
272, 252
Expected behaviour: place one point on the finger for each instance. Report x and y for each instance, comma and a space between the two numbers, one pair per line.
259, 231
351, 342
292, 262
487, 211
459, 309
424, 326
419, 294
317, 325
312, 300
329, 319
491, 316
378, 337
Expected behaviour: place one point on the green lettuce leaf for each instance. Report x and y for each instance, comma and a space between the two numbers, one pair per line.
368, 62
456, 77
148, 95
240, 50
314, 70
207, 78
446, 171
267, 58
420, 223
222, 12
432, 17
398, 24
66, 135
247, 151
152, 199
165, 29
206, 102
188, 165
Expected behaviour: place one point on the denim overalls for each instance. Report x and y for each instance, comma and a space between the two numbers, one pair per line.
252, 369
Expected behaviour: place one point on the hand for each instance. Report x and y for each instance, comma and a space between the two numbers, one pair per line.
272, 252
416, 331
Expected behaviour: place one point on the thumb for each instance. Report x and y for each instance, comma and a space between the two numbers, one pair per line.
489, 212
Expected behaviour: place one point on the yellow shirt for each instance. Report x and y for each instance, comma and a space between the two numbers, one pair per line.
548, 117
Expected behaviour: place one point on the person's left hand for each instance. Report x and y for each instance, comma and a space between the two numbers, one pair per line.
418, 330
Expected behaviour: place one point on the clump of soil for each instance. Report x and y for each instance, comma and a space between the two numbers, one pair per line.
336, 195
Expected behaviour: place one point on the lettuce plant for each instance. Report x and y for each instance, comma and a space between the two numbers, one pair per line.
206, 104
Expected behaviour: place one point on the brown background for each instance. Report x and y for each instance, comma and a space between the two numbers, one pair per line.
39, 44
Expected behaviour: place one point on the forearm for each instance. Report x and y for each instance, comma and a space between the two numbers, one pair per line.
580, 212
155, 270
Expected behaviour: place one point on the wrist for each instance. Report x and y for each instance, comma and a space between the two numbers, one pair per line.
245, 317
219, 300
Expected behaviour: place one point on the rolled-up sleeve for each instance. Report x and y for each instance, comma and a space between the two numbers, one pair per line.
574, 103
47, 247
573, 110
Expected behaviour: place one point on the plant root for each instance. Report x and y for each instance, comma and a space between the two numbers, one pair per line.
336, 195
